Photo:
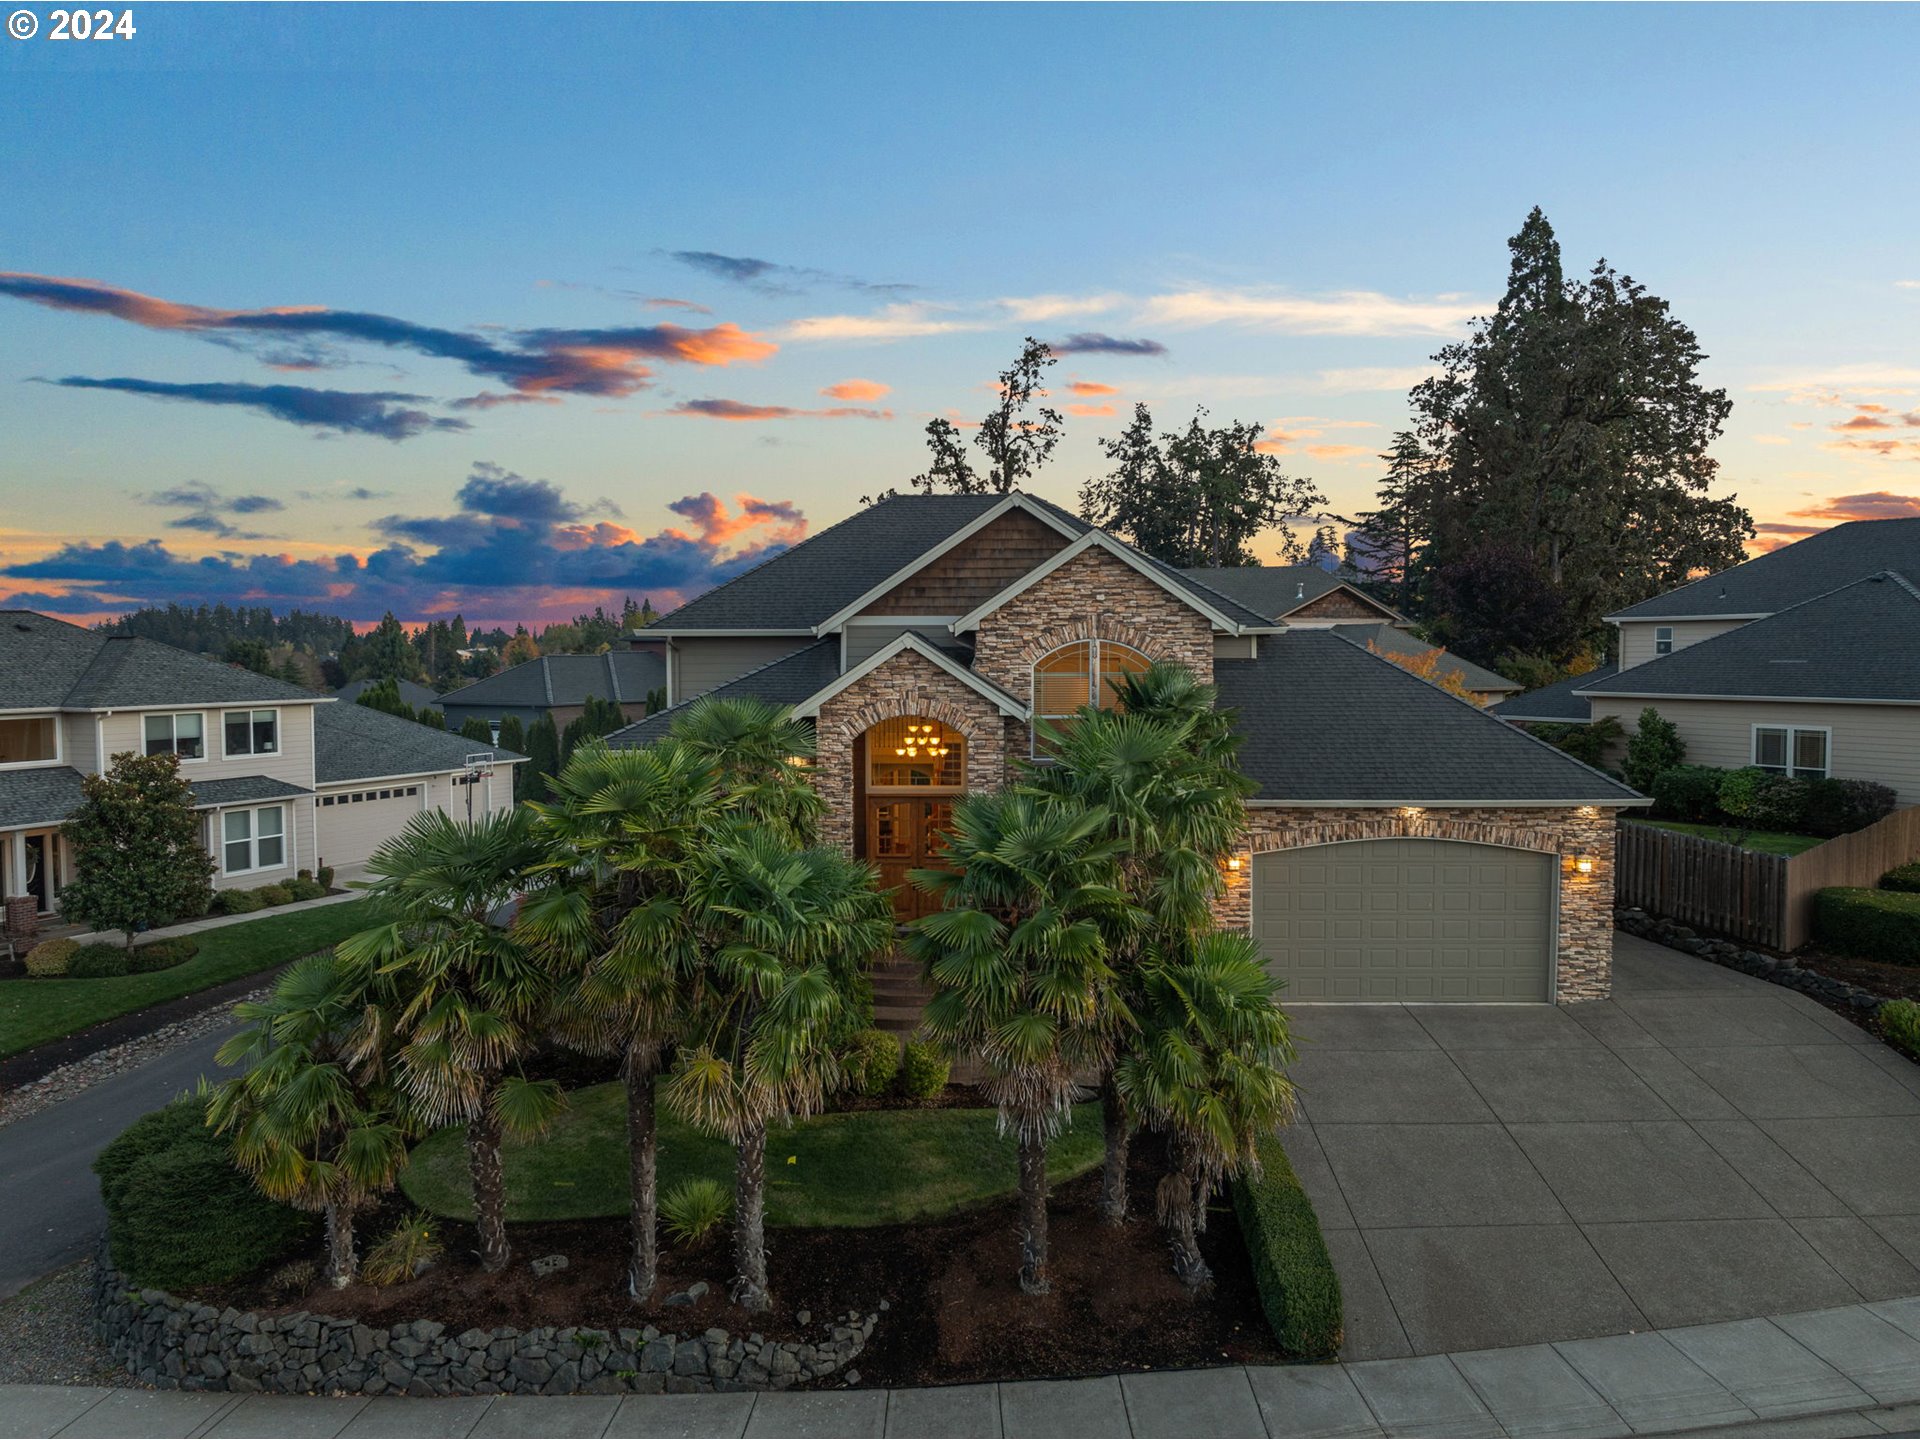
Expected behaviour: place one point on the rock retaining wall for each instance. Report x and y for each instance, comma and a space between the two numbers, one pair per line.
1781, 970
179, 1344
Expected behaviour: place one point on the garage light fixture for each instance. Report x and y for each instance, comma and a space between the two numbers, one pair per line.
1233, 862
1411, 812
1581, 864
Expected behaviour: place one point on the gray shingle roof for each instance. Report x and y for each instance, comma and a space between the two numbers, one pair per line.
239, 789
47, 663
786, 681
411, 691
1556, 704
622, 675
1271, 590
1800, 571
1324, 721
1392, 640
355, 742
1861, 642
38, 797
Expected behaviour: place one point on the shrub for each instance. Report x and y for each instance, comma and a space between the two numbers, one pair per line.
1762, 800
303, 874
1292, 1270
164, 954
1900, 1023
179, 1213
694, 1209
1874, 924
99, 961
238, 902
1656, 747
1688, 792
274, 895
872, 1062
325, 876
306, 889
404, 1251
1840, 807
923, 1071
1903, 877
1586, 743
51, 957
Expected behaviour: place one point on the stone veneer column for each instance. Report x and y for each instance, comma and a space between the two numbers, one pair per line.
1585, 948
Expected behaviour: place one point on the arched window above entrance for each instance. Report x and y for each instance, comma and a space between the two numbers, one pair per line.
914, 752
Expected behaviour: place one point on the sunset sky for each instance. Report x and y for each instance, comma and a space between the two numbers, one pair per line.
509, 310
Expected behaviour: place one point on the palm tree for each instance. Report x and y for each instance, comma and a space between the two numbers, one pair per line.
623, 824
311, 1129
1207, 1072
763, 758
466, 994
1018, 961
1162, 770
784, 936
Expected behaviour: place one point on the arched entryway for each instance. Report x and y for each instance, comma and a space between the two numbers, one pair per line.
908, 772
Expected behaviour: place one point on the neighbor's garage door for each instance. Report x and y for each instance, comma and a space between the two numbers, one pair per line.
1412, 920
355, 823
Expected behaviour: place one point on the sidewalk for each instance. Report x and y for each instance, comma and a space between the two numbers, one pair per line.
217, 922
1854, 1370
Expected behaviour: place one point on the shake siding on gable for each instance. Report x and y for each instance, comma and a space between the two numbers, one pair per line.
1637, 637
702, 663
1334, 606
977, 569
1869, 742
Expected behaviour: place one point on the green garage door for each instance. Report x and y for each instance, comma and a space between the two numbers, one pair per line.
1418, 920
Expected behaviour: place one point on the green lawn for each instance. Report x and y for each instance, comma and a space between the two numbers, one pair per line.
871, 1167
1767, 842
33, 1012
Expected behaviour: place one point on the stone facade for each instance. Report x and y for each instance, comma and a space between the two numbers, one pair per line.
1585, 948
176, 1344
908, 684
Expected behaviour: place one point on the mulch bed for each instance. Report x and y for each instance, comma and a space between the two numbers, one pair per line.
954, 1310
1894, 982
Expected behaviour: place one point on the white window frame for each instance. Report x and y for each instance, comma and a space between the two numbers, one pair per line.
206, 742
279, 732
1662, 640
253, 838
1793, 734
1093, 645
59, 745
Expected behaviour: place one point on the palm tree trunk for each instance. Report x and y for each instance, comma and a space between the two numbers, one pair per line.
1033, 1211
1181, 1189
643, 1173
750, 1221
489, 1189
1113, 1174
343, 1264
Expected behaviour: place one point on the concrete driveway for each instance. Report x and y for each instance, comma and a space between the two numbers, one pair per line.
1702, 1147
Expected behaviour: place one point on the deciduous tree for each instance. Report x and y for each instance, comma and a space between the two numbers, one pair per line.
137, 854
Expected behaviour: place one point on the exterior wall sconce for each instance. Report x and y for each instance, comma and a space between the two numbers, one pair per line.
1581, 864
1233, 862
1411, 812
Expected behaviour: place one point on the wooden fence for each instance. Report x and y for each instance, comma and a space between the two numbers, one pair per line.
1761, 899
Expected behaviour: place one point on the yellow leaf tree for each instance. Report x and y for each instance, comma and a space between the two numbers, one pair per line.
1427, 665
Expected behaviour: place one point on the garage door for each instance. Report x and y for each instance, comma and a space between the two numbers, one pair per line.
355, 823
1419, 920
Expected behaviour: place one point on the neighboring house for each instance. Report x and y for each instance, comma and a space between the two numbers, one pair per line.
1804, 661
1307, 597
559, 685
1402, 844
275, 769
411, 691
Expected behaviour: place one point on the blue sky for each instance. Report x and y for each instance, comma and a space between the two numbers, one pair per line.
1297, 205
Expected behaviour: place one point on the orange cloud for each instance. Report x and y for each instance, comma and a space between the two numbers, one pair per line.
1873, 505
742, 411
1337, 452
857, 390
1091, 388
1090, 409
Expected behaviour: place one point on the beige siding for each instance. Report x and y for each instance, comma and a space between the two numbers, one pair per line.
864, 640
124, 730
1637, 637
1869, 742
79, 745
705, 663
299, 853
1235, 647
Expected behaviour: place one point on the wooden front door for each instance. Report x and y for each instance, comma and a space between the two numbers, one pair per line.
904, 834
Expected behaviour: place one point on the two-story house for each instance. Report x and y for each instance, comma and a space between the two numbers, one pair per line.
284, 779
1803, 661
1402, 845
559, 686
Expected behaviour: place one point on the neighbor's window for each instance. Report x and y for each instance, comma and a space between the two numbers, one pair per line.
182, 735
253, 732
1083, 673
254, 839
1791, 750
29, 740
1663, 639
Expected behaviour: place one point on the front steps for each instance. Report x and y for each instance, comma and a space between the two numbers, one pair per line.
899, 996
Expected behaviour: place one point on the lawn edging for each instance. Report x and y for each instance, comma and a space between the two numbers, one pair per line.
1299, 1289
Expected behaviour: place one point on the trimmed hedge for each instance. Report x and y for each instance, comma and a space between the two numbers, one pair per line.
99, 961
1299, 1290
164, 954
51, 957
1900, 1023
1874, 924
1840, 807
872, 1062
237, 902
1688, 792
179, 1213
1763, 800
1903, 877
923, 1071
